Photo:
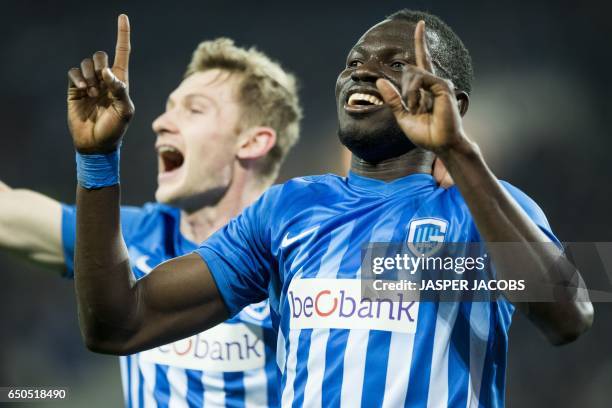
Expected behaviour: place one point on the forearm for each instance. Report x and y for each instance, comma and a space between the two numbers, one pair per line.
106, 297
30, 226
529, 255
119, 315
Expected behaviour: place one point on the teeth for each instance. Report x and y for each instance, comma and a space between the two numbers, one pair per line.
166, 148
364, 97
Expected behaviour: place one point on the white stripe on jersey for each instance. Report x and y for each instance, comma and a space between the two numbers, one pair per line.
148, 372
438, 378
254, 395
479, 338
214, 394
280, 352
124, 378
134, 380
357, 342
177, 381
338, 245
396, 386
354, 367
330, 264
290, 366
316, 368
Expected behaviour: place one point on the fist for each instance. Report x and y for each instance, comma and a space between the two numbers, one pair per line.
99, 105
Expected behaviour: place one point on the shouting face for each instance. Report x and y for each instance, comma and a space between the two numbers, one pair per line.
197, 140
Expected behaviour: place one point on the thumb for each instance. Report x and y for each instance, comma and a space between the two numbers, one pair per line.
121, 99
117, 87
391, 96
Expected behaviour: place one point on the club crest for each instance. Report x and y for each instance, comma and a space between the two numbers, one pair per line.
258, 311
426, 235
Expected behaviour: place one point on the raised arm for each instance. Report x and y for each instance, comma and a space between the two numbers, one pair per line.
118, 315
497, 215
30, 226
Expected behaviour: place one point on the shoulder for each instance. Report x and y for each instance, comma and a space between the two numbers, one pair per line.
318, 179
309, 185
532, 209
149, 210
301, 192
134, 219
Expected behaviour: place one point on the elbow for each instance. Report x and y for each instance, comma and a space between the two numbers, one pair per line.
98, 344
572, 328
104, 341
113, 348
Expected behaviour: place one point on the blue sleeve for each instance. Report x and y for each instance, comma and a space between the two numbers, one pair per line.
534, 212
129, 218
239, 255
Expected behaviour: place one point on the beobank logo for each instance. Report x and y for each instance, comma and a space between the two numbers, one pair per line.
225, 347
338, 304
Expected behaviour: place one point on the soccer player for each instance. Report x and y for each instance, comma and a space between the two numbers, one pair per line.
401, 98
220, 142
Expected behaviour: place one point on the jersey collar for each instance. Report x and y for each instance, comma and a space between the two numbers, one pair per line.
413, 183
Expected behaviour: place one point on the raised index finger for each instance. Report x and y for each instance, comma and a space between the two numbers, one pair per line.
122, 50
423, 58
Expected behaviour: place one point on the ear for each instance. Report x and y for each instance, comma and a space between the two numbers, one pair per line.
463, 101
255, 142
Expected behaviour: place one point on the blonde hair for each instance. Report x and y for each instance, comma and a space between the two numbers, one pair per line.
267, 93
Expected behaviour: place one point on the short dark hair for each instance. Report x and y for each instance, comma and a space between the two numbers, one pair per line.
450, 55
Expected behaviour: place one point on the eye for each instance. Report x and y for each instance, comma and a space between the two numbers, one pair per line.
195, 110
399, 65
353, 63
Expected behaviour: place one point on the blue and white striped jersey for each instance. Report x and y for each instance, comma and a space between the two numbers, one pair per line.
301, 243
231, 365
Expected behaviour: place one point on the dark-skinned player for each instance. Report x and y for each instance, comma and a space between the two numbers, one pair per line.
401, 98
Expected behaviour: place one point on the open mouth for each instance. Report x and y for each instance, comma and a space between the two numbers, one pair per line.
170, 158
362, 101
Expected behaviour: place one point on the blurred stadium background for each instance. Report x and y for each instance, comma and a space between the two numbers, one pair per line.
541, 110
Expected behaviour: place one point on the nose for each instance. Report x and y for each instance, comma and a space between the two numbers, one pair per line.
369, 71
164, 123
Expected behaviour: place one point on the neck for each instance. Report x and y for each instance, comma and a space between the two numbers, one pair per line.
197, 225
415, 161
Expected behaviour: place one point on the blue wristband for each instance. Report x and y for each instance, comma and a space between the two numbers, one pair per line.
98, 170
